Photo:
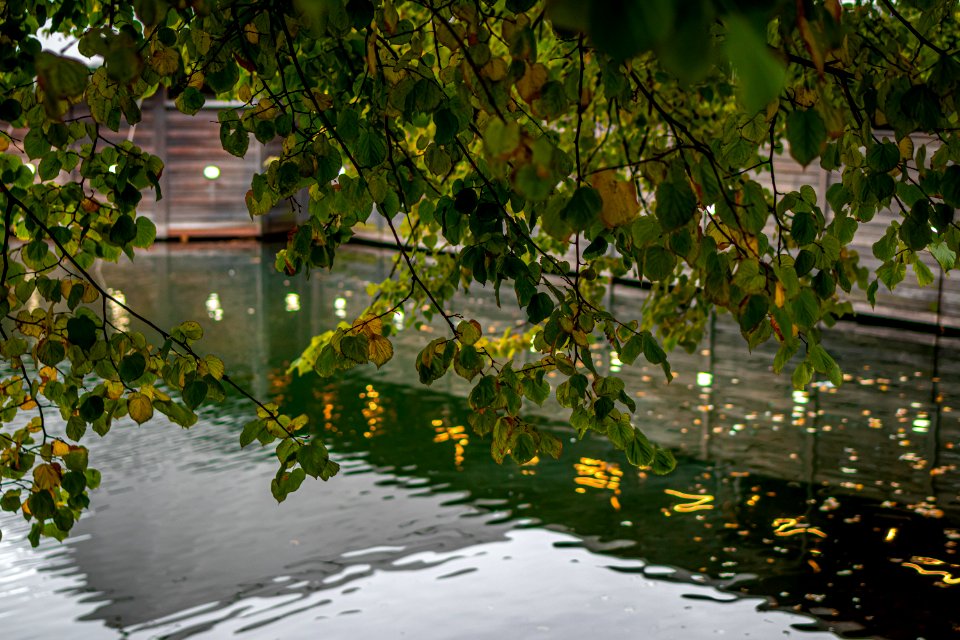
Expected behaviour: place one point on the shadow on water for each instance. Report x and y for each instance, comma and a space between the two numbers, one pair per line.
838, 503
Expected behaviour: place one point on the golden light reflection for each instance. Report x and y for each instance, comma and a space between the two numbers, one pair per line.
699, 502
947, 577
372, 411
784, 527
601, 475
118, 315
457, 435
891, 534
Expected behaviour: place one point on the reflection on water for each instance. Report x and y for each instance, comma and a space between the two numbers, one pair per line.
836, 503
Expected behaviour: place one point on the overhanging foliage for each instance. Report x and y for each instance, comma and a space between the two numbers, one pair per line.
529, 150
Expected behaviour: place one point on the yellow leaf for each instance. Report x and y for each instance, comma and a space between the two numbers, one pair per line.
114, 389
90, 293
495, 70
906, 148
48, 373
214, 366
139, 407
265, 110
368, 324
196, 80
532, 81
780, 295
46, 476
165, 62
29, 404
60, 448
810, 40
4, 143
450, 36
620, 205
379, 350
251, 33
298, 423
26, 509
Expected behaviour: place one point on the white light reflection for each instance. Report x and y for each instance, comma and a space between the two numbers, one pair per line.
615, 364
340, 307
398, 319
704, 379
211, 172
291, 302
214, 309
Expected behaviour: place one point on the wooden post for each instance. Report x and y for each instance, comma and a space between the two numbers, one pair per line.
159, 107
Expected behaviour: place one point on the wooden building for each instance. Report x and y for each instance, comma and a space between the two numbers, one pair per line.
204, 189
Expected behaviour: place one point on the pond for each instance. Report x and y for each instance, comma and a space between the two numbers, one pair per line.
827, 513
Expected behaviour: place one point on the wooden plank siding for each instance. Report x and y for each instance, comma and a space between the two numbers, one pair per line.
195, 206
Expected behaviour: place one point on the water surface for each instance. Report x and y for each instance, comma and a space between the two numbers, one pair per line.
832, 512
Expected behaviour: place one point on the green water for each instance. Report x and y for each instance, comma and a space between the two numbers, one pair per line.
830, 509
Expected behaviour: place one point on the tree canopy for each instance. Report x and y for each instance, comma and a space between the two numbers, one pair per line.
521, 149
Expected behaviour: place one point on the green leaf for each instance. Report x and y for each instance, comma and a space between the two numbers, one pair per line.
925, 276
59, 76
761, 76
194, 393
483, 393
189, 330
631, 349
251, 431
658, 263
50, 352
950, 186
524, 448
802, 375
81, 331
663, 462
501, 139
623, 32
124, 230
806, 133
146, 233
804, 228
190, 101
42, 505
676, 205
915, 231
178, 413
468, 331
371, 149
583, 209
537, 391
806, 308
640, 453
540, 307
620, 433
753, 311
447, 125
883, 157
357, 347
313, 457
132, 367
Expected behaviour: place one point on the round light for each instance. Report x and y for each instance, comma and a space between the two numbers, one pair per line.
29, 165
211, 172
